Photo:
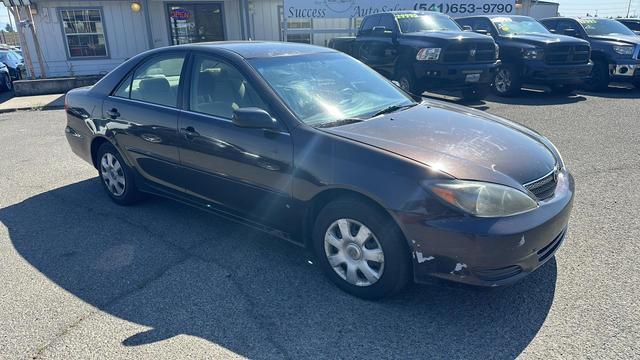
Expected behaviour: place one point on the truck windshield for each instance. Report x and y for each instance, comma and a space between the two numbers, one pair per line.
414, 23
600, 27
329, 87
517, 26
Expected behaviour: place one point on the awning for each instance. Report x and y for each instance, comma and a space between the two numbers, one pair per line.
16, 2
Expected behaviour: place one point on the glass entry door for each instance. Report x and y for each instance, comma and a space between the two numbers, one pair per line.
195, 22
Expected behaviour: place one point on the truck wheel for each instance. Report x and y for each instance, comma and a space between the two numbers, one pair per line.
599, 80
507, 81
563, 89
408, 82
476, 93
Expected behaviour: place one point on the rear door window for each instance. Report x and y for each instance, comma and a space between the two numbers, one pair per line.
158, 80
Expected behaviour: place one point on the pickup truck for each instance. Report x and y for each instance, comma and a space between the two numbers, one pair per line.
530, 54
615, 50
424, 50
632, 24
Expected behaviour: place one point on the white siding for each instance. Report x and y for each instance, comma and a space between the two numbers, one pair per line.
125, 33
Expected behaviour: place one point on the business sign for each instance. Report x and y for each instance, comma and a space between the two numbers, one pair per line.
180, 14
326, 9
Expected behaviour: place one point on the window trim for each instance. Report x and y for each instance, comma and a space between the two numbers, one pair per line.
65, 40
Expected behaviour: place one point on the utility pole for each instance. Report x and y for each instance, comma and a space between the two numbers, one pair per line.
629, 8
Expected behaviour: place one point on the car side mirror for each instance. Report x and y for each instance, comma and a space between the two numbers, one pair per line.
467, 28
253, 118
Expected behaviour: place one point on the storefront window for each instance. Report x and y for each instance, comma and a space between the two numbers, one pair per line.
196, 22
84, 32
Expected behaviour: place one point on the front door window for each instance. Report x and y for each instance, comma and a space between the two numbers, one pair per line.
199, 22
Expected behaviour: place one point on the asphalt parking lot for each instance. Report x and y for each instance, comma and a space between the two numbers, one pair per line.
84, 278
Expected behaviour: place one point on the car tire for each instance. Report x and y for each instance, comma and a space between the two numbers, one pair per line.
563, 89
476, 93
377, 267
7, 84
599, 79
507, 81
116, 177
408, 82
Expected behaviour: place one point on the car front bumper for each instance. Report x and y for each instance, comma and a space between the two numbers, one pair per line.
454, 76
489, 251
625, 71
539, 72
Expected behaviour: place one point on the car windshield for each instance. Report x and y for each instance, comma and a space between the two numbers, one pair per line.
329, 87
415, 22
600, 27
517, 26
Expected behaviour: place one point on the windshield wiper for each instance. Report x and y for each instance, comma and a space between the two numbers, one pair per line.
394, 108
340, 122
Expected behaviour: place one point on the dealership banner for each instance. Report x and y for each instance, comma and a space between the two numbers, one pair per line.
359, 8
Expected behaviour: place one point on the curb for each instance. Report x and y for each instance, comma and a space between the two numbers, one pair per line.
32, 108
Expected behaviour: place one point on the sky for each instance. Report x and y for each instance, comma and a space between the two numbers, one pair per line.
604, 8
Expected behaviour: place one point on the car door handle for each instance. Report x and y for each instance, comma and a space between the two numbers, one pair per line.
113, 113
189, 132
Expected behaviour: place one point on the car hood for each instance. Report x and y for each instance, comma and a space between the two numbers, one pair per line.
462, 142
633, 40
449, 35
545, 39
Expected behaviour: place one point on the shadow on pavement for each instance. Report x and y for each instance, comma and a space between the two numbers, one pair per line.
615, 92
182, 271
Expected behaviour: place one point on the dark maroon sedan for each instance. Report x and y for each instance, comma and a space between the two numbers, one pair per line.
311, 145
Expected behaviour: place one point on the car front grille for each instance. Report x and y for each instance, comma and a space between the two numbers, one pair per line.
567, 54
471, 52
544, 187
550, 249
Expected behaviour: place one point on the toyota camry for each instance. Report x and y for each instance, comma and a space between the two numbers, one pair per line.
312, 146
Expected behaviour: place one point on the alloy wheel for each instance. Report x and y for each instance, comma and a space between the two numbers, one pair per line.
354, 252
405, 84
503, 81
7, 82
112, 174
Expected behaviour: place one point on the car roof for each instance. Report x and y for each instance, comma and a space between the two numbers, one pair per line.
262, 49
631, 19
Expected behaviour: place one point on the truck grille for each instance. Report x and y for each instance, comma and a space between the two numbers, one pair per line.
470, 53
567, 54
544, 187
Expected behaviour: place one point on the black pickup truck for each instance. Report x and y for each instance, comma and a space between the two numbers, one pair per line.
531, 54
615, 50
424, 50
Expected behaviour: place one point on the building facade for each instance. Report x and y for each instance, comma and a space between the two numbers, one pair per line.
89, 37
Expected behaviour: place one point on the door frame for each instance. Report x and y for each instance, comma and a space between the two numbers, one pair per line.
168, 4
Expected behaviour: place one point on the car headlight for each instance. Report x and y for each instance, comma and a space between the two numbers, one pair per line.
482, 199
432, 54
623, 49
533, 54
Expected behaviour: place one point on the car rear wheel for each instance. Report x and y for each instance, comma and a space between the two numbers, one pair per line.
599, 80
117, 178
476, 93
507, 81
361, 249
7, 84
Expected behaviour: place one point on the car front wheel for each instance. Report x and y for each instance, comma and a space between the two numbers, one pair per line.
507, 81
117, 178
361, 249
